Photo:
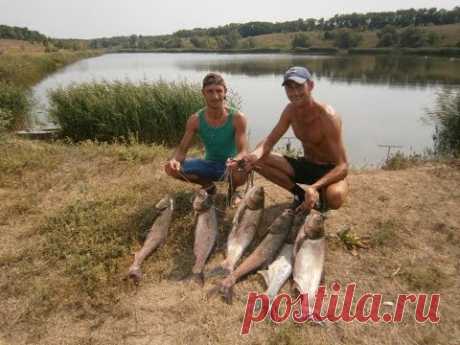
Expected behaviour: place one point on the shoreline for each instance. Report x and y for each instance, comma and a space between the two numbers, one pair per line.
444, 52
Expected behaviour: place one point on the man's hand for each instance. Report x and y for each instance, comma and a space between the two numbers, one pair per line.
231, 163
249, 161
236, 164
311, 198
173, 165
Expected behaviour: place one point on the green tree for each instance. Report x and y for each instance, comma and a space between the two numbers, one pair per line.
413, 37
433, 38
174, 42
388, 37
200, 42
233, 38
301, 40
229, 41
345, 39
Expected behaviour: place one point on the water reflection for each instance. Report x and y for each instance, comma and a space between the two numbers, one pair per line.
389, 70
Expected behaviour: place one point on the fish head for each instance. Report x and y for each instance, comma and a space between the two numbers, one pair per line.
313, 226
283, 223
202, 201
255, 197
164, 203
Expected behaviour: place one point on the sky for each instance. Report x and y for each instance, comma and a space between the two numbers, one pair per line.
106, 18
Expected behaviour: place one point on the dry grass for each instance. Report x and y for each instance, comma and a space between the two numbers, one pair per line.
70, 216
21, 47
449, 37
450, 34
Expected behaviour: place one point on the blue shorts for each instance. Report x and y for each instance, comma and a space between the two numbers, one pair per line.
205, 169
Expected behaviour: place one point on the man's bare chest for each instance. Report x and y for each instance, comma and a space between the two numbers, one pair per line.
309, 133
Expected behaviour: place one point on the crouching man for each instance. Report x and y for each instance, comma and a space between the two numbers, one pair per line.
222, 129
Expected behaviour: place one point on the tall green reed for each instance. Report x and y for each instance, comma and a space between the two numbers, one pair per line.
151, 112
446, 117
14, 103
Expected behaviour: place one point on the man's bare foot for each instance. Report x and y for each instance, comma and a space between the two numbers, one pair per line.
135, 274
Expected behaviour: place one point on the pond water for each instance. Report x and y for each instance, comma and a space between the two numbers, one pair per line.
382, 99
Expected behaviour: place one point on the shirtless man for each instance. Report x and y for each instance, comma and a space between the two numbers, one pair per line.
324, 165
222, 130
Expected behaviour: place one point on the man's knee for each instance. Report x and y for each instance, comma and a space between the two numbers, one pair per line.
336, 194
171, 172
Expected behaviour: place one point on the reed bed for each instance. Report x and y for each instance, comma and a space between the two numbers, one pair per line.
151, 112
14, 102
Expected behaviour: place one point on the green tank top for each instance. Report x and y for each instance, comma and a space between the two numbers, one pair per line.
219, 142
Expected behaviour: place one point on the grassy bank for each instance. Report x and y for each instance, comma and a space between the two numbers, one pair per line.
18, 72
71, 216
27, 69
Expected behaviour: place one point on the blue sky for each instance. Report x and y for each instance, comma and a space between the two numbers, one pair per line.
99, 18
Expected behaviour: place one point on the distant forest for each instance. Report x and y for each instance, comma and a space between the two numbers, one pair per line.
17, 33
225, 37
228, 36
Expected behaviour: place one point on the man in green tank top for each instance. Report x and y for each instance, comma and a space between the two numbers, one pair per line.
222, 130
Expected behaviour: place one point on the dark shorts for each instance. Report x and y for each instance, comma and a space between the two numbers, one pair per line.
205, 169
306, 172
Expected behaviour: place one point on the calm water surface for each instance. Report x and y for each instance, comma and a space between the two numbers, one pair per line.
381, 99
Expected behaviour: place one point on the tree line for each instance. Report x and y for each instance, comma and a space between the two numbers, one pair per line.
17, 33
399, 28
342, 29
366, 21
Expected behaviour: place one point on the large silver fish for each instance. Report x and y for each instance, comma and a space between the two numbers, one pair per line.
279, 271
309, 255
264, 254
245, 223
155, 237
205, 233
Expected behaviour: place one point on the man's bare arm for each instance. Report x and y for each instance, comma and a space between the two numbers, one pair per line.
266, 145
190, 129
333, 134
241, 139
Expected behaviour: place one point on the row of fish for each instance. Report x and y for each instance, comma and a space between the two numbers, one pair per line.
294, 245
